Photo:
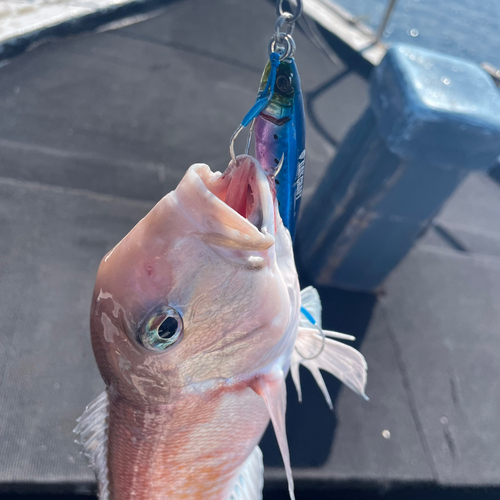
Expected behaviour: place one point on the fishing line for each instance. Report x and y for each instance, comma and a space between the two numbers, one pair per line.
312, 32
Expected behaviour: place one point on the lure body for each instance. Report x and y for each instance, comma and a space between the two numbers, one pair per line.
280, 140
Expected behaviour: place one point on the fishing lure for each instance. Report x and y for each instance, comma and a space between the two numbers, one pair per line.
280, 140
278, 120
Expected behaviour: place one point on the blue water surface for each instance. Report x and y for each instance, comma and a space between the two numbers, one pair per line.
465, 28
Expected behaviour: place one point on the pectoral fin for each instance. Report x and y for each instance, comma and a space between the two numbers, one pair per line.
272, 388
317, 353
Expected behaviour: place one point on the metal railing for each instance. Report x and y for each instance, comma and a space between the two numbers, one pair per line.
387, 16
371, 40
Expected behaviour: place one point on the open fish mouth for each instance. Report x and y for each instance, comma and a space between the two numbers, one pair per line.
236, 208
248, 192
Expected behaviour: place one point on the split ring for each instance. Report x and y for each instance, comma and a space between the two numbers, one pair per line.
287, 45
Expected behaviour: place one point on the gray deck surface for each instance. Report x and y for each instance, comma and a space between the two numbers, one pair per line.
98, 127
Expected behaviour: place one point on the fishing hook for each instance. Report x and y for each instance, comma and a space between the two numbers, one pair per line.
323, 344
262, 101
232, 140
278, 167
311, 320
235, 135
250, 134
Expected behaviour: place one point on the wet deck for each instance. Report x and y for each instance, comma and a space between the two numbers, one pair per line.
95, 128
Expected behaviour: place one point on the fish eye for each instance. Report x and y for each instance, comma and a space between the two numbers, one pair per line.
162, 330
283, 84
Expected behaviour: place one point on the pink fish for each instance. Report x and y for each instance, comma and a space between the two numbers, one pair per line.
195, 322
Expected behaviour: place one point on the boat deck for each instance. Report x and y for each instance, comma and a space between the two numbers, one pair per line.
97, 127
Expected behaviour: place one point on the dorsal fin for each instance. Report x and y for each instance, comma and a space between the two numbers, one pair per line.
92, 435
250, 479
341, 360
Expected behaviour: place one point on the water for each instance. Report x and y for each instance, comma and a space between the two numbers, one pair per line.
464, 28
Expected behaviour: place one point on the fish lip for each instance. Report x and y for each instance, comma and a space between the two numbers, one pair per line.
203, 194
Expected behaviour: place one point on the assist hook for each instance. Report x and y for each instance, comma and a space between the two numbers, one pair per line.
311, 319
262, 101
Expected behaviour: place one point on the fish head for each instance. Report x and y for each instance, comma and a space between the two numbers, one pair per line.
203, 289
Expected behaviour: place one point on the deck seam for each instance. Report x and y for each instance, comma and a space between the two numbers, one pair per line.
190, 50
75, 191
410, 396
78, 155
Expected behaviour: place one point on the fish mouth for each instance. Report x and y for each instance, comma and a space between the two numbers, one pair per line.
248, 192
236, 208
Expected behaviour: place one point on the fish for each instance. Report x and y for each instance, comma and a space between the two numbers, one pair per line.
196, 319
280, 139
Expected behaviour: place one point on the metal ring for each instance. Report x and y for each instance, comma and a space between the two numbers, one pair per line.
296, 15
284, 18
281, 48
288, 46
